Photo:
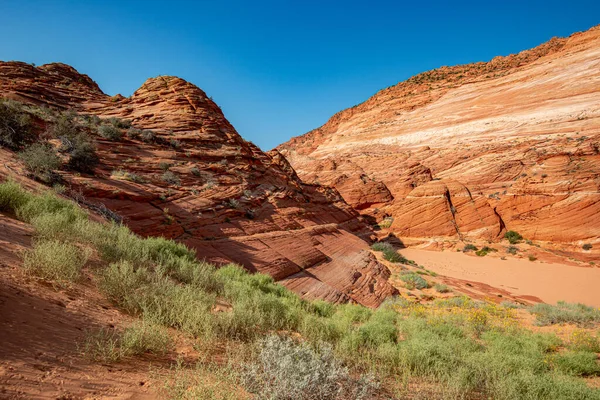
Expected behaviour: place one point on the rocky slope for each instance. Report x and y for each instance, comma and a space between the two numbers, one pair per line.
470, 151
225, 197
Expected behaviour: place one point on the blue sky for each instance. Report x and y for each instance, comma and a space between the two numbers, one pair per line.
278, 68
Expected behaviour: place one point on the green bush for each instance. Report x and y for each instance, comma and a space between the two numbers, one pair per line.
564, 312
382, 246
102, 345
469, 247
82, 154
144, 337
513, 237
41, 161
55, 260
15, 125
393, 256
171, 178
485, 250
579, 363
12, 196
512, 250
119, 123
110, 132
441, 288
414, 281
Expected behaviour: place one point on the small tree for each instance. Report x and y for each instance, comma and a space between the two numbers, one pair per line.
82, 156
513, 237
110, 132
41, 160
15, 125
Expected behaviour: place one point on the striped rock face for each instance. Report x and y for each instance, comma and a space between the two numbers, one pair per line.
471, 151
226, 198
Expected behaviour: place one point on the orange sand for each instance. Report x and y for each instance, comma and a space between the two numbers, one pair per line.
549, 282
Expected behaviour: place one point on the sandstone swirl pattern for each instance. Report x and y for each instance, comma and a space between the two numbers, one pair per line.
470, 151
234, 202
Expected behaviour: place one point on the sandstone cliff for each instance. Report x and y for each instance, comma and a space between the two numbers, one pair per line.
470, 151
225, 197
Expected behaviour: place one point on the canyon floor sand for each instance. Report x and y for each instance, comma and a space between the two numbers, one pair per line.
548, 281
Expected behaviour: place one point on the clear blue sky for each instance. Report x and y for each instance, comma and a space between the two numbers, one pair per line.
278, 68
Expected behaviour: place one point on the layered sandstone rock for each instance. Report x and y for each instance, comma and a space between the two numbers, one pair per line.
233, 202
474, 150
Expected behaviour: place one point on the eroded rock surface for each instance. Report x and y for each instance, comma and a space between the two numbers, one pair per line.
225, 197
474, 150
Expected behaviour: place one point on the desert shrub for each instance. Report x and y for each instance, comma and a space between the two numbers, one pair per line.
587, 246
531, 257
12, 196
393, 256
148, 136
195, 171
469, 247
512, 250
164, 166
102, 345
65, 126
513, 237
15, 125
441, 288
171, 178
564, 312
581, 340
55, 260
47, 203
134, 133
286, 370
41, 161
386, 222
82, 154
382, 246
414, 281
176, 144
485, 250
128, 176
144, 337
579, 363
110, 132
119, 123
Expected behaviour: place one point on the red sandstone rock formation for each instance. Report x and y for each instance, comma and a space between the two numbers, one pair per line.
473, 150
234, 202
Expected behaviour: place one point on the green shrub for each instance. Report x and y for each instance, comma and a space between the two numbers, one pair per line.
393, 256
469, 247
128, 176
148, 136
82, 154
513, 237
171, 178
386, 222
12, 196
55, 260
15, 125
579, 363
41, 161
441, 288
414, 281
485, 250
587, 246
134, 133
581, 340
564, 312
164, 166
119, 123
531, 257
102, 345
110, 132
512, 250
65, 127
286, 370
144, 337
382, 246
